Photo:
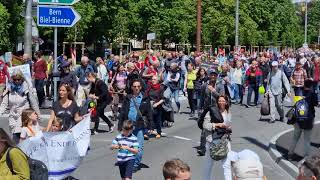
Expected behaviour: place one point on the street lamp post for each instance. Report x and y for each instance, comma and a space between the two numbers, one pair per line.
28, 28
237, 26
198, 26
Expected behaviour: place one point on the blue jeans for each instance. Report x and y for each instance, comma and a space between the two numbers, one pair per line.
298, 91
175, 95
238, 94
139, 134
253, 88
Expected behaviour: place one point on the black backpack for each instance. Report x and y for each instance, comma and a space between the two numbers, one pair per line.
38, 170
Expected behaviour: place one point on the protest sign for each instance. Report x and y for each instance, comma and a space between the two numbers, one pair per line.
62, 152
25, 69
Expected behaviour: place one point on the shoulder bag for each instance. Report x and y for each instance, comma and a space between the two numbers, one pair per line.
219, 151
144, 121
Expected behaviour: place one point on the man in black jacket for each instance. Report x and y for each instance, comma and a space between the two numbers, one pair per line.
208, 100
305, 125
136, 107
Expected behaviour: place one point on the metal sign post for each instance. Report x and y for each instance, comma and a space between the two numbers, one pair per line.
57, 16
55, 56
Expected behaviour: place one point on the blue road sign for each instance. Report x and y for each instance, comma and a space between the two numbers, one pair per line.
57, 16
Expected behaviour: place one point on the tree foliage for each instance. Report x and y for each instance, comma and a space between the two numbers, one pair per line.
4, 26
314, 21
262, 22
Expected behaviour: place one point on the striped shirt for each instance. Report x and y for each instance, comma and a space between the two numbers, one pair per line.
130, 141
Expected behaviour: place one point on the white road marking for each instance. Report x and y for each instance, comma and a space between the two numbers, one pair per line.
183, 138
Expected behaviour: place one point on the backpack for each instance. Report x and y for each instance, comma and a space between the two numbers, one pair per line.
301, 110
265, 106
38, 170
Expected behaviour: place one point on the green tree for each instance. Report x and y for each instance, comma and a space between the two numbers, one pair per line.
87, 11
4, 26
313, 21
15, 23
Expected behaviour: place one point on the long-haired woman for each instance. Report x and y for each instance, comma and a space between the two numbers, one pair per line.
216, 126
65, 108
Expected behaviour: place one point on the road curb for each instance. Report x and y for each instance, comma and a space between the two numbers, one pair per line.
279, 159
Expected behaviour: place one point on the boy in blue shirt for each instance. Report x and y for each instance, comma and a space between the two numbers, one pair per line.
128, 146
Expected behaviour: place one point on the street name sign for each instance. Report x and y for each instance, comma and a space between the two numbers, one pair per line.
57, 16
59, 2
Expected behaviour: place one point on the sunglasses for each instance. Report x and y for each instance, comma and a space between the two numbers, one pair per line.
136, 86
16, 79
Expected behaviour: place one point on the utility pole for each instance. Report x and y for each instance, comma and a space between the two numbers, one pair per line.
306, 26
28, 28
198, 40
236, 43
319, 37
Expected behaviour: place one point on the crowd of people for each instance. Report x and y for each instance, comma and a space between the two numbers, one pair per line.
140, 90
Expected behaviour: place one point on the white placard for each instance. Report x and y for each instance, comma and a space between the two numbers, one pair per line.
25, 69
151, 36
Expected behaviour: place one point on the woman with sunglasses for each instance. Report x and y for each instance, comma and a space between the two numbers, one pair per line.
19, 161
17, 97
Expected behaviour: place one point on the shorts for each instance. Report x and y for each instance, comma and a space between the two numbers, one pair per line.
126, 168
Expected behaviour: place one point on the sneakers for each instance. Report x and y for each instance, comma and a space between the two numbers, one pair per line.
111, 129
201, 152
146, 137
170, 124
94, 132
135, 169
158, 136
272, 121
281, 119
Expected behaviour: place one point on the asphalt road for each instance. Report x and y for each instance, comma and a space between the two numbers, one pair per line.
283, 145
180, 142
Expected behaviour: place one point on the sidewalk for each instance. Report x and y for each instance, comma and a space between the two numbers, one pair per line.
280, 144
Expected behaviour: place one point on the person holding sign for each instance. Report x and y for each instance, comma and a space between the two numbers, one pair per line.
16, 98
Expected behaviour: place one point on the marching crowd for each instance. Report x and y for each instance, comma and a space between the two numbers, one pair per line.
140, 90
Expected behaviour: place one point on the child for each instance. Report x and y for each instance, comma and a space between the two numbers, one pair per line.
127, 144
56, 125
30, 125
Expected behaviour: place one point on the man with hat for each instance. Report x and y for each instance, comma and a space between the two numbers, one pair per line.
67, 76
209, 95
246, 165
276, 80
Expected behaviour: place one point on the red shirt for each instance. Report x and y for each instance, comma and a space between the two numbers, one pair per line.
40, 69
146, 61
140, 65
4, 74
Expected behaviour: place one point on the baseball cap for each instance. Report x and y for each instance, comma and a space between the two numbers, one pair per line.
65, 64
274, 63
212, 71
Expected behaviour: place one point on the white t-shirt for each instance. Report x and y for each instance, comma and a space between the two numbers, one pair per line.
226, 118
26, 133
